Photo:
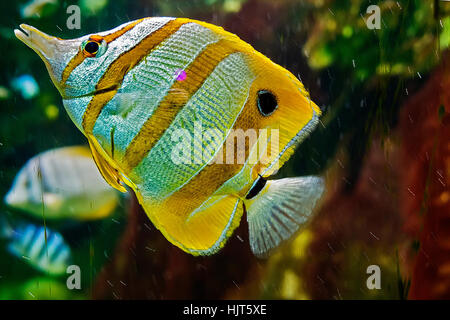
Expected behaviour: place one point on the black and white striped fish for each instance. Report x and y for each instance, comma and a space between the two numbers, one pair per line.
39, 247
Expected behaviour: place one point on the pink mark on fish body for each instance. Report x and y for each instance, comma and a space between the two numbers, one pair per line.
181, 75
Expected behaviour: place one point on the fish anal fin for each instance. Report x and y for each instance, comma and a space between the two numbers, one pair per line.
202, 231
279, 210
109, 173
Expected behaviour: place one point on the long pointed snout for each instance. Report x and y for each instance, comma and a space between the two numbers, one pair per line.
44, 45
55, 52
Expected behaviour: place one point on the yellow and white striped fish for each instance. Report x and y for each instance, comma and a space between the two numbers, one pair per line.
133, 89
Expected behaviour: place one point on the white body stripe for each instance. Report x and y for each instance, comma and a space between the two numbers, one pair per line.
217, 104
147, 84
75, 109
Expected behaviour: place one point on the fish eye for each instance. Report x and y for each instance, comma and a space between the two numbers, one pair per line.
93, 47
267, 102
27, 184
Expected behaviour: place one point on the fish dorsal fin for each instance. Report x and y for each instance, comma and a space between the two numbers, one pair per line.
279, 209
109, 172
199, 231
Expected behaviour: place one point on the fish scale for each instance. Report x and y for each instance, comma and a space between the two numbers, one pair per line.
158, 76
174, 176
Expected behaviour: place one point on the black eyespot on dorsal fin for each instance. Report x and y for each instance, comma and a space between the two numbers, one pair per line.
258, 185
267, 102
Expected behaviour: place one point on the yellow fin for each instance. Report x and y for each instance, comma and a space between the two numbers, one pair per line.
110, 174
202, 231
77, 151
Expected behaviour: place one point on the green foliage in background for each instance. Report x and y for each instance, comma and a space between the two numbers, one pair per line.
407, 42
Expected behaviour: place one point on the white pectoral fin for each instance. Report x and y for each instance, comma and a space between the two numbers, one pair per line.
52, 200
279, 210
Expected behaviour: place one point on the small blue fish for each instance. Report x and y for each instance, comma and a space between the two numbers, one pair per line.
40, 247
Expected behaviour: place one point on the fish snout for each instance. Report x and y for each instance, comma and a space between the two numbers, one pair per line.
43, 44
55, 52
12, 199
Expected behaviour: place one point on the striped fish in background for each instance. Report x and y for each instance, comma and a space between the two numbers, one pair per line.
41, 248
62, 183
129, 90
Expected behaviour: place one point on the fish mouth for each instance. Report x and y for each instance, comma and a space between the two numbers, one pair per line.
50, 49
11, 199
43, 44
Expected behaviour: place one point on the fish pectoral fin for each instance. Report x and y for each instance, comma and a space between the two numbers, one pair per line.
202, 231
52, 200
279, 209
109, 173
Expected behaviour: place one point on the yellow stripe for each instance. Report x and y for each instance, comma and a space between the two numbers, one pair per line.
221, 172
79, 57
75, 62
112, 79
113, 36
179, 94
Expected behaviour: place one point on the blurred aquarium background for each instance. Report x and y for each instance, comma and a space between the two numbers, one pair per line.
383, 146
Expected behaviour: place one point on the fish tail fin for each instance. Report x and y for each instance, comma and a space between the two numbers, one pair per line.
279, 209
